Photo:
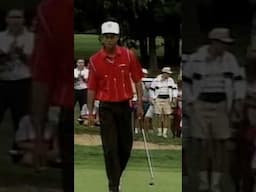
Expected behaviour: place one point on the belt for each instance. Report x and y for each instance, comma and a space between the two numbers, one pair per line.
163, 96
212, 97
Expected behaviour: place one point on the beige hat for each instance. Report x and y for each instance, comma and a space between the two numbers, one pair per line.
166, 70
221, 34
110, 27
145, 71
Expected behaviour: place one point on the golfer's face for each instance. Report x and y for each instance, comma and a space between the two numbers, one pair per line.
110, 40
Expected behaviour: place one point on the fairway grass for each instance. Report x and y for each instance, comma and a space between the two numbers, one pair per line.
86, 45
90, 173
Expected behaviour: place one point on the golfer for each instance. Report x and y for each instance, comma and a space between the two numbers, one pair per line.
111, 71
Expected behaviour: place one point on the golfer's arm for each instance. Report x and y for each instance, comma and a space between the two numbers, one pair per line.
90, 100
139, 91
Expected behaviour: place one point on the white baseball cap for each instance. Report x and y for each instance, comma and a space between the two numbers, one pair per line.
110, 27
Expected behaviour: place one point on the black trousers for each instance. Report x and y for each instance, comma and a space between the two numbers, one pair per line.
15, 95
66, 145
80, 97
117, 139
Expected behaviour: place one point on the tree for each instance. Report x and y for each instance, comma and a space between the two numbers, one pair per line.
142, 20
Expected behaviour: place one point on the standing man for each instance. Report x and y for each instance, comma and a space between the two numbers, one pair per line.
110, 73
163, 92
80, 84
15, 76
53, 82
214, 89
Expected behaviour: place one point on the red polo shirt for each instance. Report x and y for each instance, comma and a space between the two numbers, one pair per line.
111, 78
52, 60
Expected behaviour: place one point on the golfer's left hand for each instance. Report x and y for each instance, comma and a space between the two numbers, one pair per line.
140, 112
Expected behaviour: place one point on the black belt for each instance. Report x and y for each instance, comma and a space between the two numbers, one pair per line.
163, 96
212, 97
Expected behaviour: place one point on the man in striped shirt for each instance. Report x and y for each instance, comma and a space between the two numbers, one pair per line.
213, 88
163, 93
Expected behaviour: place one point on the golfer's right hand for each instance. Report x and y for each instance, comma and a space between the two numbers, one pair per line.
91, 120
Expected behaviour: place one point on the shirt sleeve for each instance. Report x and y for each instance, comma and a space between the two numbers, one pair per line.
174, 90
135, 67
29, 44
75, 74
152, 89
239, 79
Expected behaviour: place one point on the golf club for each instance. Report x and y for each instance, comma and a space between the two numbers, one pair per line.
148, 154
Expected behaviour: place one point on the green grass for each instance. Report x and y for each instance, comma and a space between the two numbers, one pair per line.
90, 172
133, 181
86, 45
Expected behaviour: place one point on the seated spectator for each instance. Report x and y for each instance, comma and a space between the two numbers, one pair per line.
25, 138
85, 113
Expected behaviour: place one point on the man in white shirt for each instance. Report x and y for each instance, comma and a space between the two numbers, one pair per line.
80, 84
163, 93
15, 77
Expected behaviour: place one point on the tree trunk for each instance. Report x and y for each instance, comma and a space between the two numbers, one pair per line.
190, 27
171, 51
153, 67
144, 51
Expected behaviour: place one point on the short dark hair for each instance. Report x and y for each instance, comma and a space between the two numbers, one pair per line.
113, 19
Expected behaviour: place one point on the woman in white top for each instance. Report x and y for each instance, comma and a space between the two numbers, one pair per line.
80, 83
15, 77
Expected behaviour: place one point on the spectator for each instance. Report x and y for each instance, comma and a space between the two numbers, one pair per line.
80, 86
15, 76
163, 93
178, 113
25, 138
213, 84
145, 86
247, 132
85, 113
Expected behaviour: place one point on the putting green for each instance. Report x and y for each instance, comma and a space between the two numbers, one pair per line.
94, 180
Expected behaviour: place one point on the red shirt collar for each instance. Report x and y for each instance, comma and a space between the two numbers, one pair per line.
104, 54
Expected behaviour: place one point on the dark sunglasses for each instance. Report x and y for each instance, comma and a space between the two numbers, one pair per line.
15, 17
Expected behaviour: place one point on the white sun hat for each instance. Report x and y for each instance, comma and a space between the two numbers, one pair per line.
166, 70
221, 34
110, 27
